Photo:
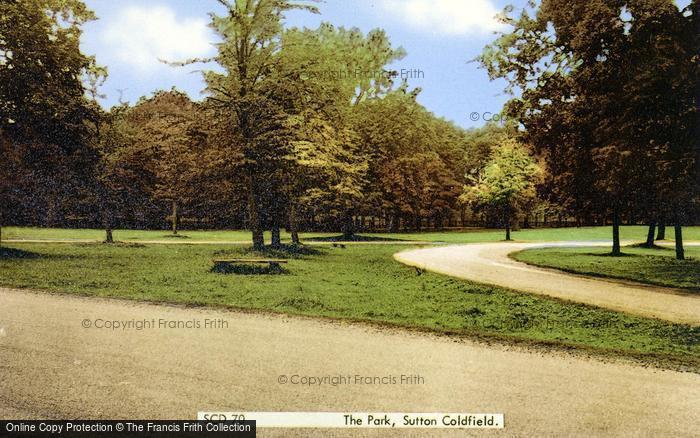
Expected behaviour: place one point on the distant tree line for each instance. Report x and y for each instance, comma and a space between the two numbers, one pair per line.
598, 136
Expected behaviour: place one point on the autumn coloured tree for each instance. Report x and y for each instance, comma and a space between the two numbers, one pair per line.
169, 133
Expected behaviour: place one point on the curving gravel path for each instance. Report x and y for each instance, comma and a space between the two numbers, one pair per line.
489, 263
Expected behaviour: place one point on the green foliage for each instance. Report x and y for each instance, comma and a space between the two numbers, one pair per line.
293, 140
507, 183
510, 176
309, 127
356, 283
250, 100
606, 95
337, 70
41, 70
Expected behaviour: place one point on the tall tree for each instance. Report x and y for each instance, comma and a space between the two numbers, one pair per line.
417, 160
601, 94
42, 99
338, 71
244, 91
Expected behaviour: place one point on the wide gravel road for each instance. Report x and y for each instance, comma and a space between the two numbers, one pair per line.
51, 366
489, 263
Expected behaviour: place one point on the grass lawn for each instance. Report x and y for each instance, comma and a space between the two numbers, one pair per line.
633, 232
465, 236
651, 266
356, 283
35, 233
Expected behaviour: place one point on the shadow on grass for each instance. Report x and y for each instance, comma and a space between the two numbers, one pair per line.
13, 253
244, 269
115, 244
681, 273
176, 236
283, 252
125, 245
655, 247
355, 238
611, 255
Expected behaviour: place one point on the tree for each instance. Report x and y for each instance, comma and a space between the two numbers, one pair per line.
604, 98
510, 178
11, 181
42, 102
337, 71
417, 160
168, 129
117, 170
244, 93
329, 169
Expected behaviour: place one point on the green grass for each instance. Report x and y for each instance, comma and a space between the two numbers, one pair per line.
35, 233
652, 266
637, 233
634, 232
357, 283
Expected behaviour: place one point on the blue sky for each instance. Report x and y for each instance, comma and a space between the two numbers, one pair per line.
440, 36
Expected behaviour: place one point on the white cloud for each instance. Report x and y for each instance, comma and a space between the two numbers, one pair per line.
141, 35
446, 17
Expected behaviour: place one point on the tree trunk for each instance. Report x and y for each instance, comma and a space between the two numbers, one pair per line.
507, 220
680, 251
616, 251
174, 218
348, 229
661, 233
276, 241
107, 224
108, 229
650, 235
293, 225
254, 217
395, 222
